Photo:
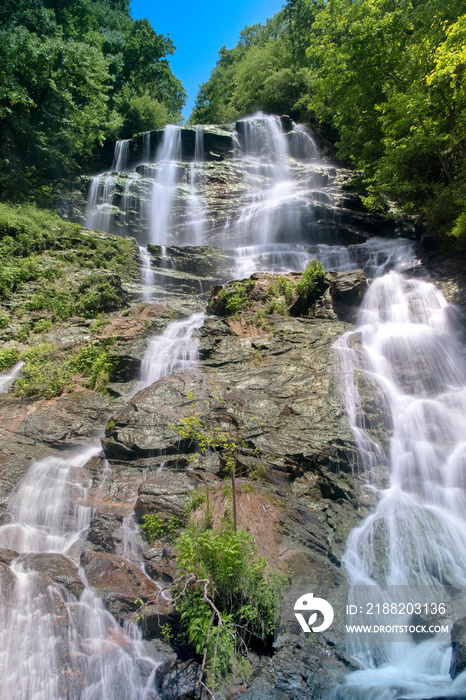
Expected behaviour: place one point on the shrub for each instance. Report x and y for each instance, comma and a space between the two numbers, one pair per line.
42, 326
8, 358
310, 284
282, 287
48, 371
227, 575
4, 319
234, 297
155, 527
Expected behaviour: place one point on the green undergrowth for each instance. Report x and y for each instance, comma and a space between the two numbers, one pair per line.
57, 269
281, 296
49, 371
239, 584
226, 595
235, 297
156, 528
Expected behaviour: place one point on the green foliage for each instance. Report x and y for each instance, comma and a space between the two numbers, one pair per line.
38, 247
42, 326
238, 583
235, 297
48, 371
382, 79
95, 361
8, 358
280, 294
309, 286
155, 527
195, 500
72, 76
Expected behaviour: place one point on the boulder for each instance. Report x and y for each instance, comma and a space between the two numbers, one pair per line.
347, 290
122, 586
60, 569
164, 494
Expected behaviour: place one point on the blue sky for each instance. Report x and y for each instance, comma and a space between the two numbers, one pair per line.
199, 29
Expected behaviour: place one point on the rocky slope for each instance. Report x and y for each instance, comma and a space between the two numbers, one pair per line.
297, 492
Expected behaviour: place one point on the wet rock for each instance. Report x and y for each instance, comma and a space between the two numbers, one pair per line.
60, 569
286, 389
7, 584
7, 556
102, 531
161, 564
458, 642
122, 586
164, 493
180, 681
347, 290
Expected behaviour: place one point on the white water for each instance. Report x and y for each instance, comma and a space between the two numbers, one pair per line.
176, 349
196, 206
410, 348
53, 646
417, 533
165, 183
147, 274
8, 378
100, 208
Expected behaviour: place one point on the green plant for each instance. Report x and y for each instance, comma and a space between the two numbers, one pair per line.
97, 324
311, 281
195, 500
42, 326
281, 287
226, 595
96, 361
277, 306
8, 357
4, 319
155, 527
234, 297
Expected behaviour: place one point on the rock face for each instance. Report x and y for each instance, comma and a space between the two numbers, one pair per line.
278, 381
272, 374
326, 212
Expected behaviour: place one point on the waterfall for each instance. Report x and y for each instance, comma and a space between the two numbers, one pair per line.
54, 643
120, 156
196, 208
102, 190
165, 183
146, 147
410, 348
8, 379
175, 349
147, 274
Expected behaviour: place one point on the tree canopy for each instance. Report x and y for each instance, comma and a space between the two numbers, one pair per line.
74, 73
383, 79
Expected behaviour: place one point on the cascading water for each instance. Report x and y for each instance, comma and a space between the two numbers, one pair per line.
196, 209
99, 209
165, 183
416, 534
8, 379
54, 643
284, 218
